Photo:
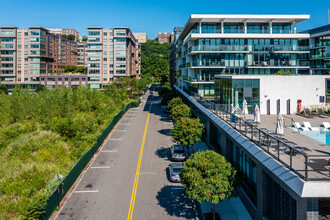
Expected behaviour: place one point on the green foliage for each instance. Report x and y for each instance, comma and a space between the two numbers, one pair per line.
3, 89
180, 111
80, 69
283, 73
174, 102
187, 131
70, 69
155, 60
207, 176
84, 39
70, 36
40, 88
45, 133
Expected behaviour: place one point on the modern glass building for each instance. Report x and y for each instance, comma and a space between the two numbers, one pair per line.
320, 50
238, 44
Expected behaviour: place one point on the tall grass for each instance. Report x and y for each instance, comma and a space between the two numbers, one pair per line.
44, 134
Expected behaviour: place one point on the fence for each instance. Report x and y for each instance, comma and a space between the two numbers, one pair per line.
59, 193
286, 152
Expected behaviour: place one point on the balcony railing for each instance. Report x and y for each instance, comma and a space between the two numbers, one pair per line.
278, 63
219, 48
208, 63
319, 56
287, 153
291, 48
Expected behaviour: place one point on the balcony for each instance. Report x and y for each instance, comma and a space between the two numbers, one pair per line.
205, 63
278, 64
219, 48
291, 48
320, 56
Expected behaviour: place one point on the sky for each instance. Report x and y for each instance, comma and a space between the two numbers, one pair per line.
146, 16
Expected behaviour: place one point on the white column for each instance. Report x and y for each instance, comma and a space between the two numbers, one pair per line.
270, 27
200, 27
245, 27
222, 27
294, 27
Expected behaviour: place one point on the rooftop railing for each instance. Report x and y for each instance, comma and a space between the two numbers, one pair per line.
208, 63
296, 158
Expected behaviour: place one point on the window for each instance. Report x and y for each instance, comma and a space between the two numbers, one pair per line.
95, 65
34, 39
34, 45
93, 39
7, 39
93, 58
6, 33
121, 39
94, 33
35, 33
7, 46
121, 33
123, 46
105, 34
120, 65
94, 71
121, 52
120, 71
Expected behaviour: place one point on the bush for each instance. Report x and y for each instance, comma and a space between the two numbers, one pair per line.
180, 111
174, 102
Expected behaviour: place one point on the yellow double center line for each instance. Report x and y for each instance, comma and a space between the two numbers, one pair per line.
137, 172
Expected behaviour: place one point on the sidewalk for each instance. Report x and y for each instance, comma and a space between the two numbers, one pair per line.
228, 209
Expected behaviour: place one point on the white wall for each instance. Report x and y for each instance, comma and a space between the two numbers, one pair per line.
308, 88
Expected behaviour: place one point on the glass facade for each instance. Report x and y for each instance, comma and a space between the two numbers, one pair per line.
232, 92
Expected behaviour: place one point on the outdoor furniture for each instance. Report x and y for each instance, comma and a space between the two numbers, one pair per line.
308, 113
320, 112
298, 126
309, 126
326, 125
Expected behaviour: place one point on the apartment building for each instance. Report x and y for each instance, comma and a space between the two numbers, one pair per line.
59, 31
82, 54
111, 53
164, 37
176, 33
28, 53
140, 37
239, 44
320, 50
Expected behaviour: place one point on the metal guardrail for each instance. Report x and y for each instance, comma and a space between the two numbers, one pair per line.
277, 147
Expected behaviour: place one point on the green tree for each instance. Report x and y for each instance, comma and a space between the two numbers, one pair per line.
69, 37
180, 111
208, 177
188, 131
84, 39
80, 69
3, 88
70, 68
174, 102
40, 88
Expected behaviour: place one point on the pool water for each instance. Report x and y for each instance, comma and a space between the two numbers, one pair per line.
321, 135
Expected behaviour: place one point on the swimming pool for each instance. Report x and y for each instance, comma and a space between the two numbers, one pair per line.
321, 135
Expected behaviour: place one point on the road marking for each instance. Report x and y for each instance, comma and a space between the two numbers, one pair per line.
125, 123
136, 180
115, 139
121, 130
104, 167
87, 191
130, 113
109, 151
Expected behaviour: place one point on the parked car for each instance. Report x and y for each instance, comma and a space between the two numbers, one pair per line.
178, 153
166, 111
175, 170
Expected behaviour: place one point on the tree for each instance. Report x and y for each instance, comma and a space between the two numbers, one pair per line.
174, 102
3, 88
40, 88
70, 68
80, 69
84, 39
188, 131
208, 177
180, 111
69, 37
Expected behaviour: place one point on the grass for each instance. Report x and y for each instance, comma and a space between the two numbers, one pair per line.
44, 134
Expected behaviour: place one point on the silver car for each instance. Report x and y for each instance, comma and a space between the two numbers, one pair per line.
175, 170
178, 153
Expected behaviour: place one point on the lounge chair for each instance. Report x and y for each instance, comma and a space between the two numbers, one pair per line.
308, 113
298, 126
326, 125
321, 112
309, 126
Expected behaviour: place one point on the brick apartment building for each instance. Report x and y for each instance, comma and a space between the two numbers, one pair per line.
164, 37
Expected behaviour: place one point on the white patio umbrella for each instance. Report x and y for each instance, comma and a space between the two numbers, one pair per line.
245, 108
257, 114
279, 125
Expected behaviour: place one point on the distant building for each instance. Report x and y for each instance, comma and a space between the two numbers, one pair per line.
59, 31
164, 37
82, 54
140, 37
112, 53
28, 53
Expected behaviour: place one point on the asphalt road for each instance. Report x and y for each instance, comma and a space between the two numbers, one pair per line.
117, 186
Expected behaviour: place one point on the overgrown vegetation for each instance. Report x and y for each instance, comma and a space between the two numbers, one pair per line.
283, 73
45, 133
155, 59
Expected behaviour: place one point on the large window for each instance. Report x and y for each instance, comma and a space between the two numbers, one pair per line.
94, 33
6, 33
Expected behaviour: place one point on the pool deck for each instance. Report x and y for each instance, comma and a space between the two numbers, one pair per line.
319, 153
